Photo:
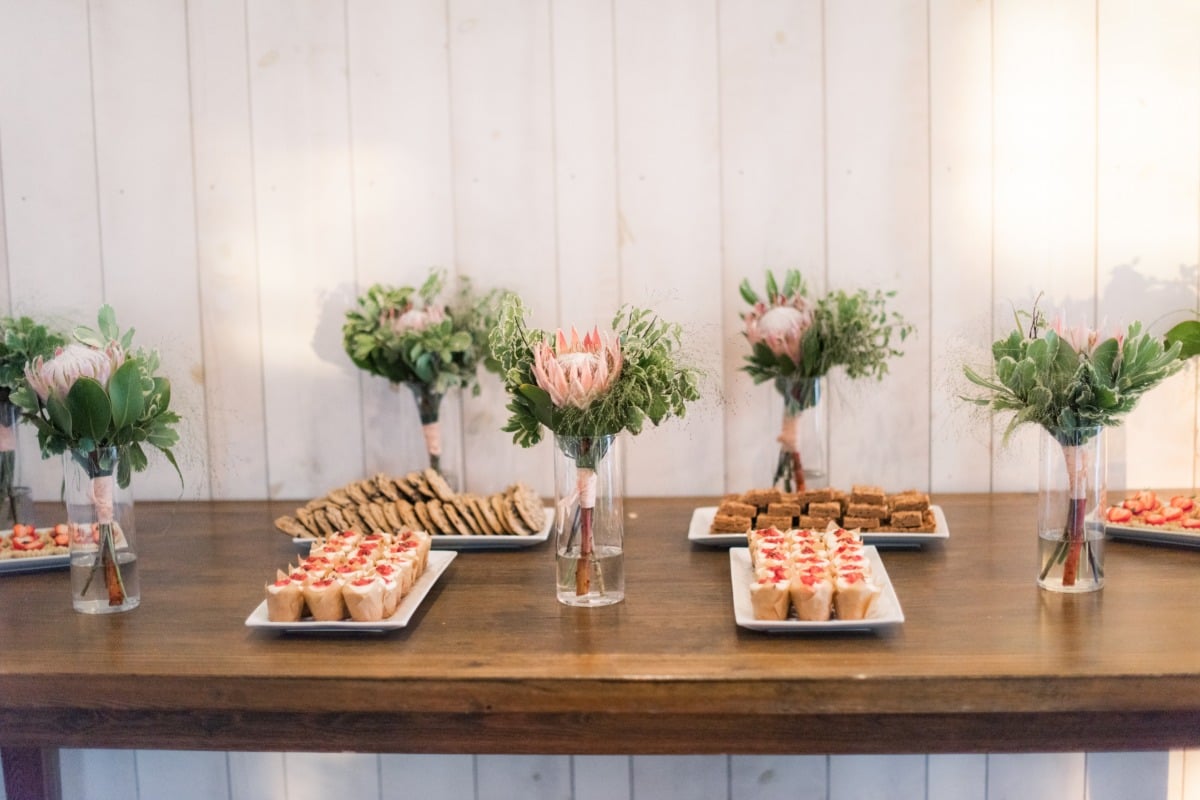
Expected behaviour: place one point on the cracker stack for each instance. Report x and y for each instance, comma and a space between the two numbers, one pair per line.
865, 508
417, 501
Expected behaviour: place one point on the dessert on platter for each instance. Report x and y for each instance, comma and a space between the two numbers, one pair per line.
865, 508
1149, 517
25, 541
812, 575
419, 501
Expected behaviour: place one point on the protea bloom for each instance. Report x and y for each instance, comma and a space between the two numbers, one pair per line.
1083, 340
69, 364
574, 372
412, 318
781, 327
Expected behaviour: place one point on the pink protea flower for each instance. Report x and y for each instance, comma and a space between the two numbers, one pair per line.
412, 318
780, 327
575, 372
1082, 339
70, 363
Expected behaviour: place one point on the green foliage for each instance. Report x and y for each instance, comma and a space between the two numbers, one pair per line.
95, 421
443, 356
854, 331
654, 383
1044, 380
21, 341
1187, 335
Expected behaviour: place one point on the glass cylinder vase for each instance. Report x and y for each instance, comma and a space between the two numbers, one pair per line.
1072, 496
16, 504
104, 562
589, 521
802, 463
429, 407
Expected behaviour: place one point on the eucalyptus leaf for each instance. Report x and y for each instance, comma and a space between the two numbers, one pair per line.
125, 395
91, 412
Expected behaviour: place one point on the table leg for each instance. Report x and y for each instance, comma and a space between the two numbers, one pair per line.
31, 773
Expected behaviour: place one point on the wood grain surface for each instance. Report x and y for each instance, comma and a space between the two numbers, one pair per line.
492, 663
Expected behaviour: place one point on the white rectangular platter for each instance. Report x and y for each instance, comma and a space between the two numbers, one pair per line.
438, 561
473, 541
32, 563
884, 611
702, 520
1150, 535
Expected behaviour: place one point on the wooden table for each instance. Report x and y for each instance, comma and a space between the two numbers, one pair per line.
493, 664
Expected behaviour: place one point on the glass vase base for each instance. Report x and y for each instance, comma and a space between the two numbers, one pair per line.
88, 592
604, 584
1053, 556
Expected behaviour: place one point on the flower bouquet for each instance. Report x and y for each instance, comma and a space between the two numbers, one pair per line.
586, 391
406, 335
1074, 383
100, 404
21, 341
795, 341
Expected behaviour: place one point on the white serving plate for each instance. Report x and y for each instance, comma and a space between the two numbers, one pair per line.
471, 541
1153, 535
702, 520
33, 563
438, 561
884, 611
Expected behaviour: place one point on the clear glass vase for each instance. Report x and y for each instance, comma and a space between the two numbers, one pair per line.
16, 503
104, 562
429, 407
1072, 496
802, 463
589, 522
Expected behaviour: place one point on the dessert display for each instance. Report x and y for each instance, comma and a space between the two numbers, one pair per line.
1145, 509
864, 508
25, 541
419, 501
815, 575
350, 575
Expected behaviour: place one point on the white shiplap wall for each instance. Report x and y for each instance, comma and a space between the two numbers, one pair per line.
230, 173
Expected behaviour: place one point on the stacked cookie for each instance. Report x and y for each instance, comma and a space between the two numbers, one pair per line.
417, 501
864, 508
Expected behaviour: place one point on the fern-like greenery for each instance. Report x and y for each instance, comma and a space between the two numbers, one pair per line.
21, 341
655, 382
1041, 378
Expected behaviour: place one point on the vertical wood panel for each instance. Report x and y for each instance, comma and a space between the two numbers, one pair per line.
319, 776
1036, 776
876, 776
436, 777
1191, 775
523, 777
1148, 212
778, 777
403, 197
256, 775
1045, 151
601, 778
1127, 776
98, 774
180, 775
878, 166
956, 777
772, 197
669, 183
681, 777
305, 243
960, 76
147, 212
48, 148
502, 138
226, 249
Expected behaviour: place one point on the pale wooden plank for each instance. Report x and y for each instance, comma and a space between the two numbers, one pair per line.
523, 777
226, 249
778, 777
669, 185
147, 213
1127, 776
502, 138
960, 329
681, 777
1191, 775
878, 216
98, 774
956, 777
403, 196
1148, 203
772, 198
1036, 776
305, 243
431, 777
876, 776
318, 776
255, 775
182, 775
601, 778
49, 168
1045, 150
